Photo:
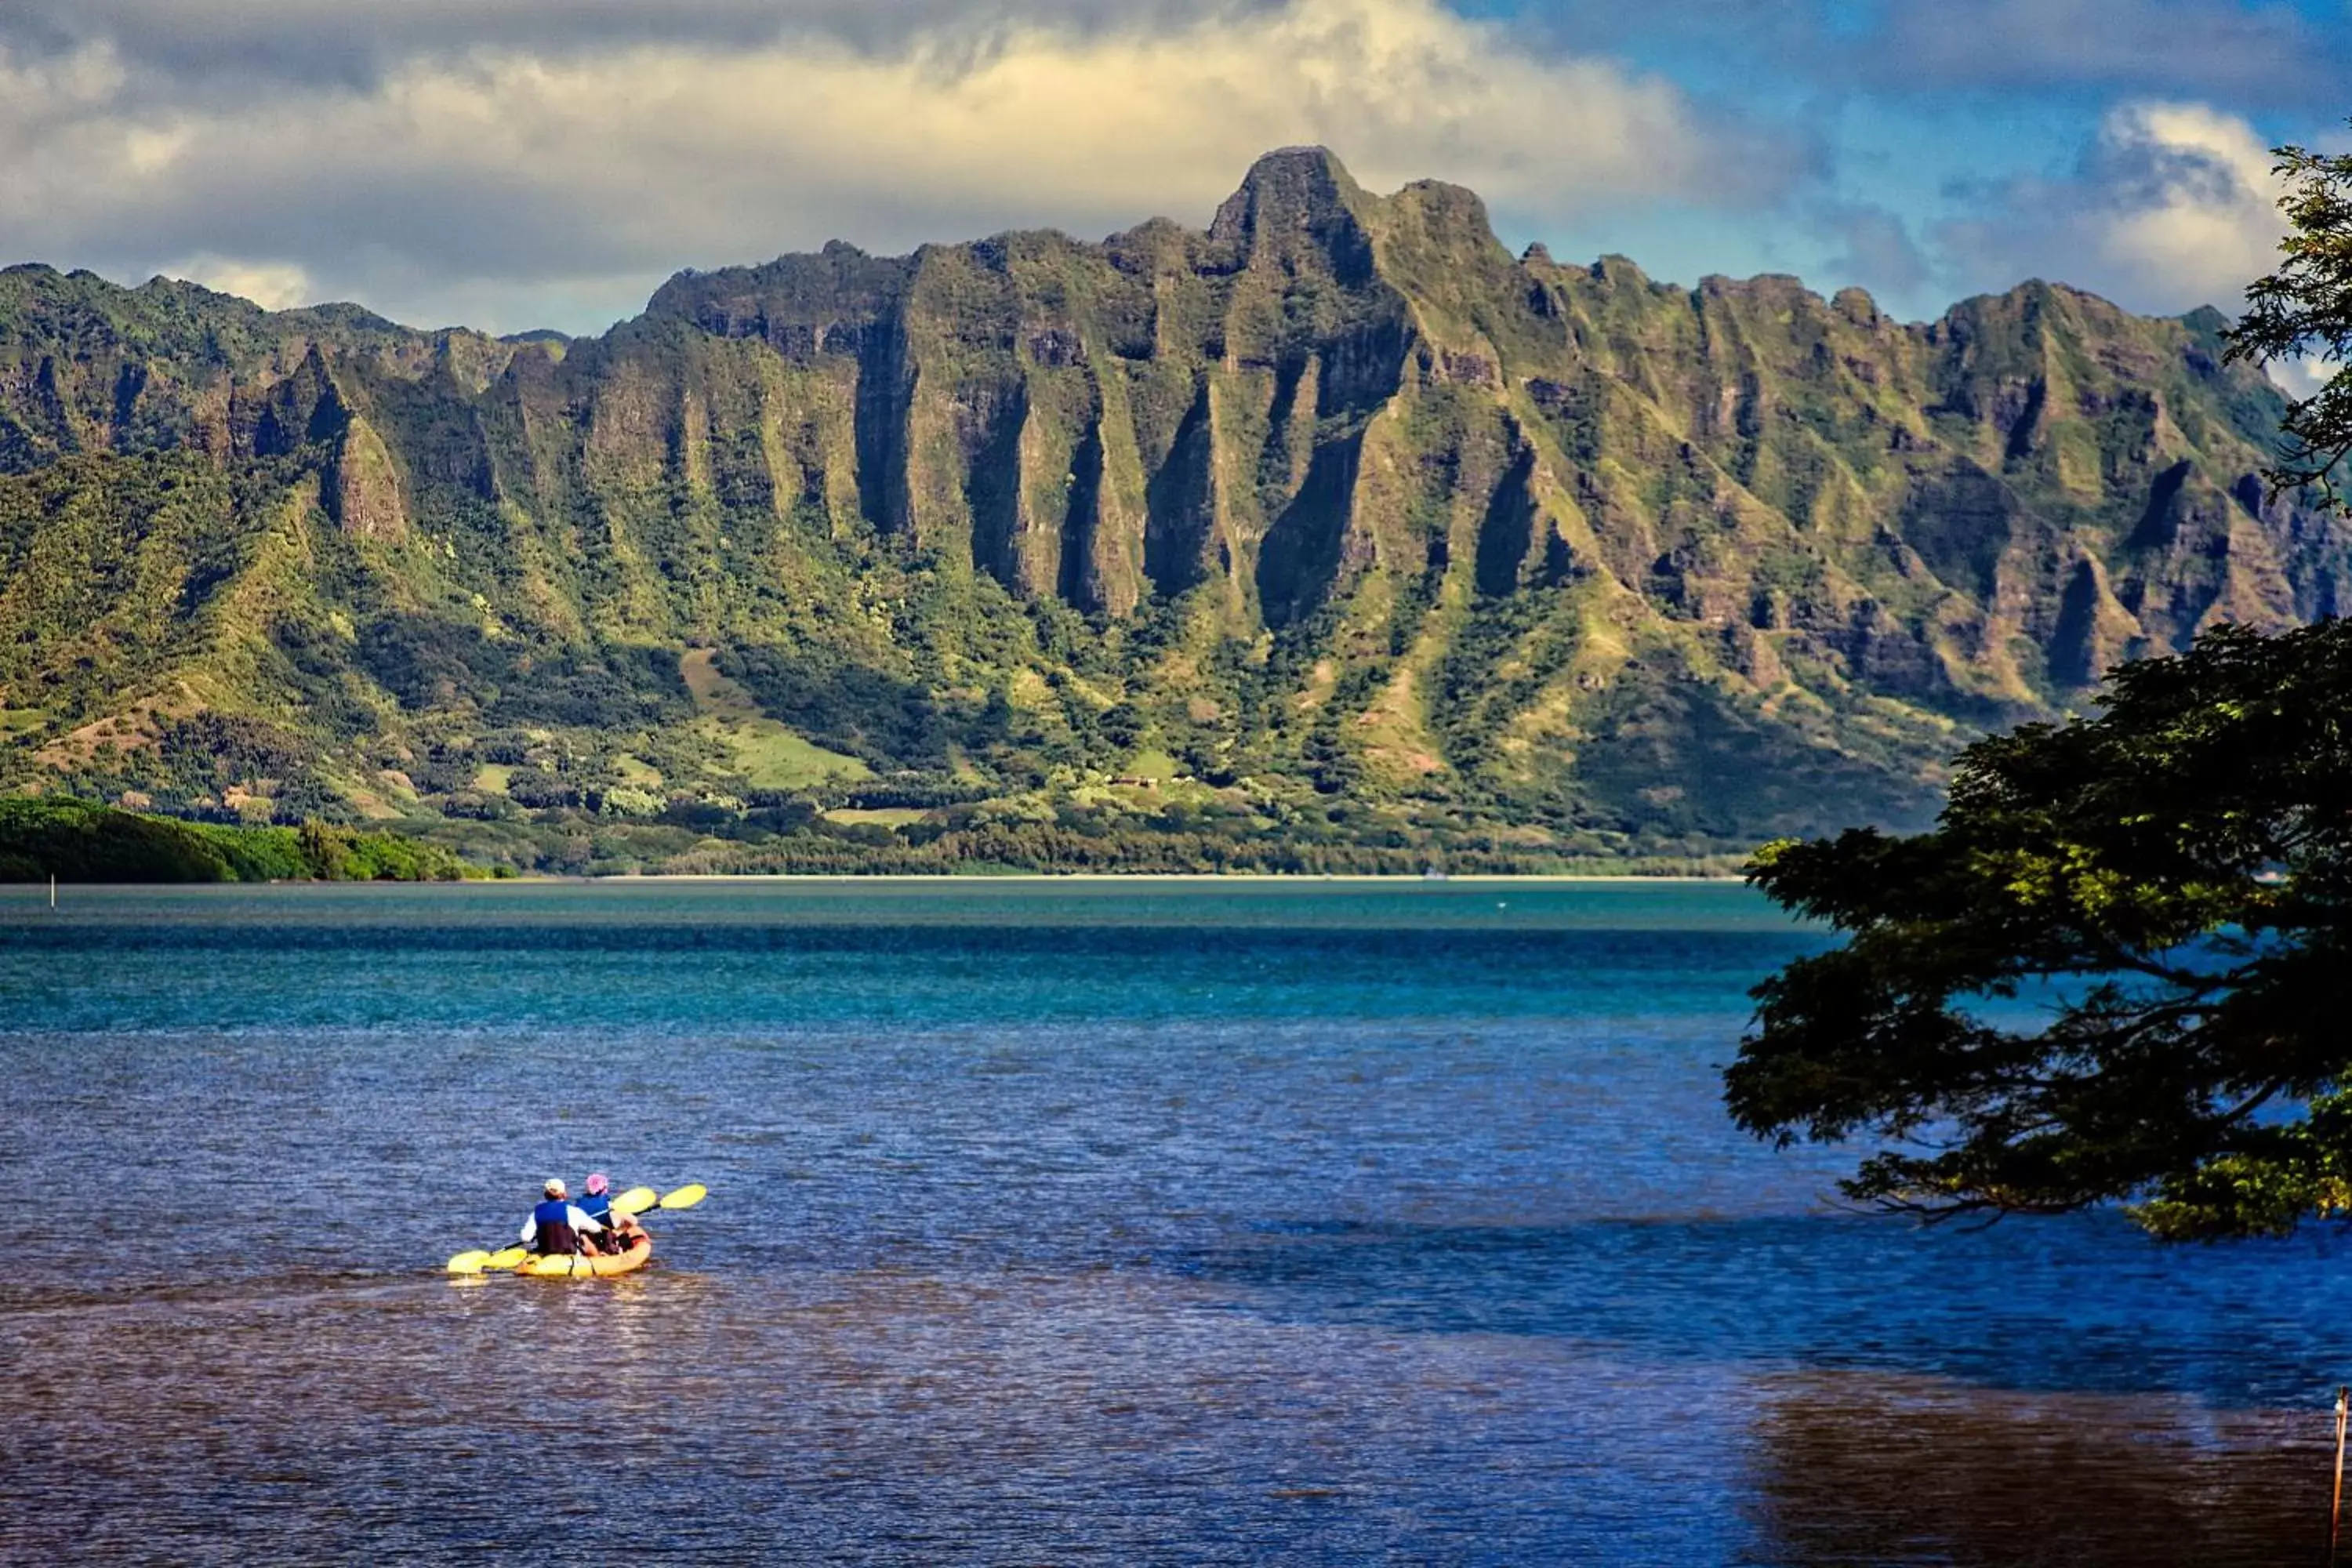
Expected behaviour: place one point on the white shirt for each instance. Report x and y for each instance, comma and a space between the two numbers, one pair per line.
574, 1216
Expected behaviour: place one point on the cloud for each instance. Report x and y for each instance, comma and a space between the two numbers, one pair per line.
360, 43
2303, 378
2174, 205
273, 286
1876, 250
2210, 49
455, 168
2194, 206
2255, 52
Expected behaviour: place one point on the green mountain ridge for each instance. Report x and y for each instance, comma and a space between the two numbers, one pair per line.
1334, 525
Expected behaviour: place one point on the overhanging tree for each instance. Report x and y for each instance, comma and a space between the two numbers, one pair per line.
2119, 967
2304, 311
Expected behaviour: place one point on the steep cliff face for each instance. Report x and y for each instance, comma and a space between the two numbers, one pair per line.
1110, 424
1337, 497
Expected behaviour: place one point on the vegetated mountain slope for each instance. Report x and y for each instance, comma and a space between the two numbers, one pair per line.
1336, 523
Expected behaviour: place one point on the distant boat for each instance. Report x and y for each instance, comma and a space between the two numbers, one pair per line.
1433, 874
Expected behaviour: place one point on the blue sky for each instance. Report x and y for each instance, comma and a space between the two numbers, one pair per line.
1951, 148
510, 164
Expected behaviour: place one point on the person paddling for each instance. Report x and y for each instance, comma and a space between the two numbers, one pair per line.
558, 1227
597, 1203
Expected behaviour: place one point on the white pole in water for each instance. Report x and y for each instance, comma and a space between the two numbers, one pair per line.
53, 889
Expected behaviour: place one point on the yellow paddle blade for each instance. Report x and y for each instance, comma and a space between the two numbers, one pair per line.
636, 1200
506, 1256
472, 1262
686, 1196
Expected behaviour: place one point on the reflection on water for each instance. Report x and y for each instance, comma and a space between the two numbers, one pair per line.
883, 1417
1854, 1470
1254, 1230
871, 1414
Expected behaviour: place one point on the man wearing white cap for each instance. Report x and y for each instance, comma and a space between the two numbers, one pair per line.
556, 1226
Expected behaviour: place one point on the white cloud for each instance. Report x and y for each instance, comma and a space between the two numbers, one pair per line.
2174, 206
2194, 207
2304, 377
449, 181
272, 285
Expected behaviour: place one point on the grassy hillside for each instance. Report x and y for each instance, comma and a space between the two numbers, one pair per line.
1332, 532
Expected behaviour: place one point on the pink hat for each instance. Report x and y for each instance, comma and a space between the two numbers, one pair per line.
599, 1182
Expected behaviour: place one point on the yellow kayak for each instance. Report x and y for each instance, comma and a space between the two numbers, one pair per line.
589, 1265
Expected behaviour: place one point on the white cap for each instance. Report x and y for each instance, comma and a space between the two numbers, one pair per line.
555, 1188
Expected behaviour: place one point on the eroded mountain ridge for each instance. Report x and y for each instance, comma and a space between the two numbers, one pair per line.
1335, 524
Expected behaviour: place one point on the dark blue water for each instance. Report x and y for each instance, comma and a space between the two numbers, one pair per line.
1053, 1222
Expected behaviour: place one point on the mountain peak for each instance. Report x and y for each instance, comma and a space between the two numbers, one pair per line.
1305, 181
1304, 158
1295, 198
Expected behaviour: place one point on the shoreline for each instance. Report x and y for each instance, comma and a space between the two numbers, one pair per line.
993, 879
78, 841
1025, 880
966, 878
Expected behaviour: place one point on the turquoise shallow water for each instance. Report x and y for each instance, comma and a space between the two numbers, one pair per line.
1052, 1223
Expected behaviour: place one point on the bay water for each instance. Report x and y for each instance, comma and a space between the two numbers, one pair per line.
1053, 1222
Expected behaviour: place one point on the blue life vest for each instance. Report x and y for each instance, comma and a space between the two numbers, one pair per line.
595, 1206
554, 1234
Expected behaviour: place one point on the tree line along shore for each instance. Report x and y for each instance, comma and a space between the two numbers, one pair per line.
78, 840
83, 841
